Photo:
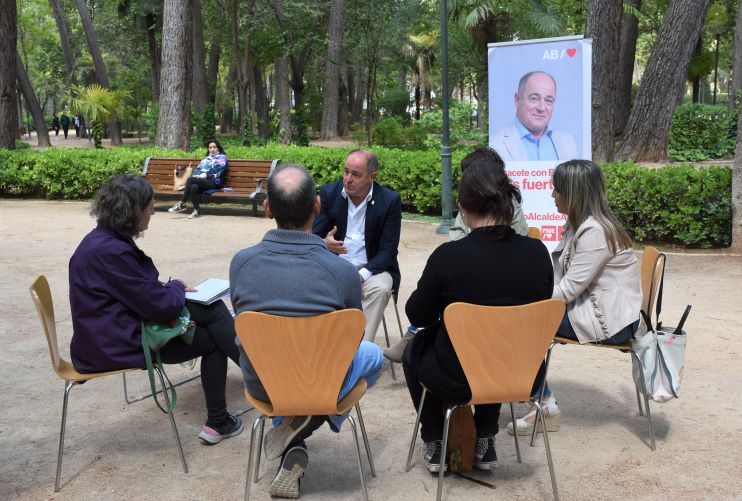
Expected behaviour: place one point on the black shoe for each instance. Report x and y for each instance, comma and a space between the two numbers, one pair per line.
286, 482
432, 456
213, 436
485, 457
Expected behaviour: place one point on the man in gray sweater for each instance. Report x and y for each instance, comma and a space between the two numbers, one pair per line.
291, 273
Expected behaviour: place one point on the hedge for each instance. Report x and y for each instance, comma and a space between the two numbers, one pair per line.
682, 205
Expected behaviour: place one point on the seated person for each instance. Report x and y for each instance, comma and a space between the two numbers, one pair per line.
207, 176
291, 273
114, 286
595, 271
492, 266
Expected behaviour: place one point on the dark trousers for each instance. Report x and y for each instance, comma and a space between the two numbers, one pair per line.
65, 128
440, 394
194, 187
214, 343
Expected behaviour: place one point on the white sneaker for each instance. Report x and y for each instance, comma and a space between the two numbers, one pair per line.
179, 207
551, 417
193, 215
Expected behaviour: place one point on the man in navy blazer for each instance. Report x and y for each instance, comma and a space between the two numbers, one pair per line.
360, 221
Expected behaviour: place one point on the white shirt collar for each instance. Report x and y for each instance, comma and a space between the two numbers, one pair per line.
368, 197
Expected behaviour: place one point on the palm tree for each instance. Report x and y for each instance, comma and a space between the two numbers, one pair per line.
100, 105
421, 50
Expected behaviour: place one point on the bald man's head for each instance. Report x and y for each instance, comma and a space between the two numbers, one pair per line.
291, 196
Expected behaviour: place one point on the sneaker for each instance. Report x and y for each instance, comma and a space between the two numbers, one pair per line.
179, 207
213, 436
525, 424
485, 457
432, 456
193, 215
286, 482
279, 438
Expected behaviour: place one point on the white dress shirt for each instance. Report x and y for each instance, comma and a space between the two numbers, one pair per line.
355, 234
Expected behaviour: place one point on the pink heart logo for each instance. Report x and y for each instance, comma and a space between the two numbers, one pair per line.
571, 52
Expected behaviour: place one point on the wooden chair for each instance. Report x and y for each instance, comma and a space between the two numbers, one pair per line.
500, 349
652, 268
302, 363
42, 298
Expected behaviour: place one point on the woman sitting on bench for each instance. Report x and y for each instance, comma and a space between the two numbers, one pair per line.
207, 176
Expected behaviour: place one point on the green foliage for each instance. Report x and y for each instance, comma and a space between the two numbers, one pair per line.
249, 138
387, 132
395, 103
700, 132
206, 125
681, 205
21, 145
300, 136
461, 126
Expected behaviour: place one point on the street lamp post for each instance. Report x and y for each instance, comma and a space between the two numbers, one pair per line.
446, 178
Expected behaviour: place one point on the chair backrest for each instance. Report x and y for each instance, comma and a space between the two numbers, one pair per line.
534, 232
301, 361
653, 263
501, 347
41, 295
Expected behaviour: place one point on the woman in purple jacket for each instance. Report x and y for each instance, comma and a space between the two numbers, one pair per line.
114, 286
206, 177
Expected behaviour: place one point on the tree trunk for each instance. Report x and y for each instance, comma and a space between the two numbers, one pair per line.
329, 127
626, 58
737, 65
64, 38
283, 100
343, 109
226, 126
174, 120
32, 103
648, 129
241, 75
212, 70
262, 107
155, 63
603, 26
200, 97
100, 68
8, 56
737, 189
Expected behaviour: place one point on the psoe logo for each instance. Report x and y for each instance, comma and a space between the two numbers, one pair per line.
549, 233
555, 54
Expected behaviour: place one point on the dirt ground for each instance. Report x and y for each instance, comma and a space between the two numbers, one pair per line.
119, 451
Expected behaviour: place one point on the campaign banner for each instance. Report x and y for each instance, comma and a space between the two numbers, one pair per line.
539, 116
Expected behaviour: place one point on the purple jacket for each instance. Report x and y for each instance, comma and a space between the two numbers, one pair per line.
113, 286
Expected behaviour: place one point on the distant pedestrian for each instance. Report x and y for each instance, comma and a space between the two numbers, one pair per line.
76, 122
55, 124
65, 121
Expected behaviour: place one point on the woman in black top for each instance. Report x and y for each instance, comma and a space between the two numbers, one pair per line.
492, 266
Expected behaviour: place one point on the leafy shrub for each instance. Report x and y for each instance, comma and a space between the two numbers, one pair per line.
682, 205
461, 128
21, 145
700, 132
395, 103
387, 132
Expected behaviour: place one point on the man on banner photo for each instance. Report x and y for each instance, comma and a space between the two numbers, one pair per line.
529, 137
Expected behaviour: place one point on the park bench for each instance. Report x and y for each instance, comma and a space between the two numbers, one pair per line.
243, 181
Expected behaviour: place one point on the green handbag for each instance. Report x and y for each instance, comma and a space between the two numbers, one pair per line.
155, 335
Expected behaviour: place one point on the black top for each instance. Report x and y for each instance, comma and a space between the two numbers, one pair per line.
492, 266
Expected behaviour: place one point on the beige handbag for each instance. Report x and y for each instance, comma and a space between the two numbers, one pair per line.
181, 175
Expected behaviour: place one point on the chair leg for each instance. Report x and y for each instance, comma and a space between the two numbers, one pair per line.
261, 436
646, 402
543, 386
444, 447
414, 431
67, 388
540, 416
515, 435
399, 322
365, 440
149, 395
386, 336
172, 419
259, 420
358, 455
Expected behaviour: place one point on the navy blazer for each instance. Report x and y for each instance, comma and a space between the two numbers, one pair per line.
383, 225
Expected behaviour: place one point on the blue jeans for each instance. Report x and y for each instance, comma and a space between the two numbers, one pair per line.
566, 330
366, 364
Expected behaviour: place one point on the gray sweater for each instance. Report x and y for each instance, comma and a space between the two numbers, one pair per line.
290, 273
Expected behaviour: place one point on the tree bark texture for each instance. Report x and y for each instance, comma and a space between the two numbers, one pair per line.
64, 39
155, 62
283, 100
100, 68
227, 111
212, 69
737, 191
241, 75
262, 106
626, 59
603, 26
200, 96
343, 110
8, 56
32, 103
329, 126
174, 120
737, 62
648, 129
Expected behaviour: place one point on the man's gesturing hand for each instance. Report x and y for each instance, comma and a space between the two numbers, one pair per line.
335, 246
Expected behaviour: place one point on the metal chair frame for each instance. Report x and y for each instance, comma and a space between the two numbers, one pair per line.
395, 297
